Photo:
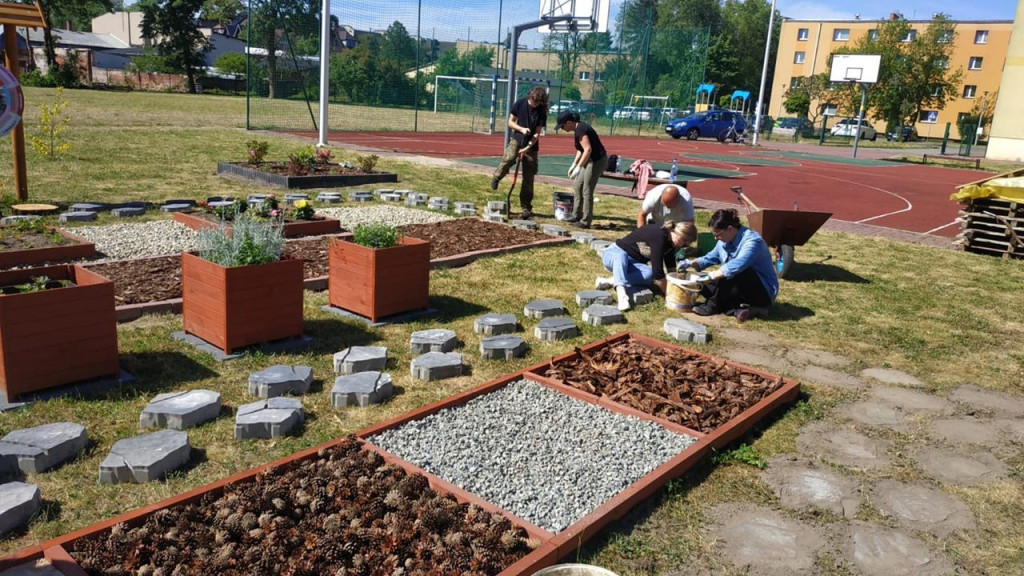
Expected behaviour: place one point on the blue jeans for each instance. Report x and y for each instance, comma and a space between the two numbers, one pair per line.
625, 270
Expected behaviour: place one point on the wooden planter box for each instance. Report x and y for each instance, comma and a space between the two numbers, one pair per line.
77, 248
58, 336
379, 282
243, 305
303, 182
293, 229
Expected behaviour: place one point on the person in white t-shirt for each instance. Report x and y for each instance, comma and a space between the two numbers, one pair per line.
666, 202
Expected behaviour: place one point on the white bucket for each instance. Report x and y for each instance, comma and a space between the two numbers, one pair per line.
681, 294
575, 570
562, 205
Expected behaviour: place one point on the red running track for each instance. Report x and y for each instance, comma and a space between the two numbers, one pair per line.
906, 197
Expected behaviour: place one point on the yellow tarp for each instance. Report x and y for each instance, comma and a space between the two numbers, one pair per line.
1011, 189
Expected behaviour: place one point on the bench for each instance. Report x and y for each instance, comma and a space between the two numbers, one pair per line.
965, 159
632, 178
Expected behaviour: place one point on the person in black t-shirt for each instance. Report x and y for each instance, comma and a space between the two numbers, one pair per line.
643, 257
526, 118
590, 162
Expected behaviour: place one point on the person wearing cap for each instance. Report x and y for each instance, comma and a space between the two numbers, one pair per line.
666, 202
588, 165
526, 119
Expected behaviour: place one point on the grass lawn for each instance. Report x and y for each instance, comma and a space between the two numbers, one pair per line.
946, 317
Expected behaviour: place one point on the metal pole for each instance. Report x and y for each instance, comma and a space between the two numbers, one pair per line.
764, 75
981, 118
18, 134
510, 94
416, 88
248, 65
860, 116
325, 68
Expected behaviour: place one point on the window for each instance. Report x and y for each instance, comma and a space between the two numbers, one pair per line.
937, 91
970, 91
796, 81
910, 36
841, 35
802, 34
981, 37
928, 117
598, 77
975, 63
945, 37
798, 58
961, 117
873, 35
584, 76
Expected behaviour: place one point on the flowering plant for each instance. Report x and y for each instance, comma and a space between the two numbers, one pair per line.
301, 210
256, 151
323, 155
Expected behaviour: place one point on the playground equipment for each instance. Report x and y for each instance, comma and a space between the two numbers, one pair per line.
12, 16
704, 95
740, 101
782, 230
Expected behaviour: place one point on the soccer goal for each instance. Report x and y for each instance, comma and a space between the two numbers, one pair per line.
478, 102
649, 108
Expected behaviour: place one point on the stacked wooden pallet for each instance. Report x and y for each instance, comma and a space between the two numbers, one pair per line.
992, 226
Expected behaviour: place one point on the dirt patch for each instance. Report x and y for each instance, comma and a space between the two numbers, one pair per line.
453, 237
143, 280
285, 169
764, 542
11, 240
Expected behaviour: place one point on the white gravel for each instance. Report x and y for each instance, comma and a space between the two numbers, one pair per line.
382, 213
139, 239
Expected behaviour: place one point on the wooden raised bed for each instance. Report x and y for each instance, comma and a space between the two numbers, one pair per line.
292, 229
303, 182
58, 336
379, 282
75, 249
242, 305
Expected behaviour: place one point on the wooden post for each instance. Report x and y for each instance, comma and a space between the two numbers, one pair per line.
18, 134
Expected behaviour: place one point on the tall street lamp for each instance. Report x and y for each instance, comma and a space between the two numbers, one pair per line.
764, 74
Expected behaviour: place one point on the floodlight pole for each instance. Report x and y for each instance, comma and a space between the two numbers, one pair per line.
516, 32
860, 116
764, 75
325, 56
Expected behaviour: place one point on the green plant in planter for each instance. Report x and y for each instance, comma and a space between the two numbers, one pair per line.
302, 161
36, 284
251, 241
376, 235
367, 163
302, 210
256, 151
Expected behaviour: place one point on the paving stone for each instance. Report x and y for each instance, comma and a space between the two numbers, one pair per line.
583, 237
214, 199
87, 207
270, 418
403, 192
524, 224
602, 315
965, 430
329, 197
19, 502
380, 191
890, 376
414, 199
542, 308
437, 366
554, 230
18, 218
360, 359
600, 246
844, 447
188, 201
497, 206
959, 467
808, 355
360, 196
556, 328
505, 347
830, 378
912, 400
39, 567
879, 551
920, 507
293, 197
468, 205
999, 404
685, 331
876, 413
1013, 428
361, 389
391, 197
77, 217
145, 458
465, 211
753, 356
493, 324
180, 410
256, 198
640, 296
587, 297
439, 200
745, 336
763, 541
433, 340
127, 212
494, 217
41, 448
802, 484
175, 208
279, 380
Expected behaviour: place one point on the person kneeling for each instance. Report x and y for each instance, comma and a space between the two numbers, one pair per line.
643, 257
745, 277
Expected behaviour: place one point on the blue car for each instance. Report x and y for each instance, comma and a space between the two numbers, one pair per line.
708, 124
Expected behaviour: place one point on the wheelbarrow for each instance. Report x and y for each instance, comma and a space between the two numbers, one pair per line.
782, 230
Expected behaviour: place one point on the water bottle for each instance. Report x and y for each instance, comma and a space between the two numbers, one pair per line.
675, 169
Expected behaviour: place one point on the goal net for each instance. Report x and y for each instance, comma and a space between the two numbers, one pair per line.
467, 100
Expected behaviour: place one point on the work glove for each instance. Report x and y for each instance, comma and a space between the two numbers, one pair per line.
682, 265
573, 172
716, 274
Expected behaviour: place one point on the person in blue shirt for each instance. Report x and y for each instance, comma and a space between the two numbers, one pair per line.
745, 276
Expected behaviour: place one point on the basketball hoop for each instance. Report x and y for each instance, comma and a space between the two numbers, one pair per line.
587, 15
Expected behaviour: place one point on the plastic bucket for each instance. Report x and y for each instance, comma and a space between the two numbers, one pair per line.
562, 205
575, 570
681, 298
705, 243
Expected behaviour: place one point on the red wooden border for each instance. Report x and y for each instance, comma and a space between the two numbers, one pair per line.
322, 225
79, 248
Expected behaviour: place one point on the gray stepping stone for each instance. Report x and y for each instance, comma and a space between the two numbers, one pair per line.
360, 196
438, 200
802, 484
494, 217
212, 199
999, 404
764, 541
403, 192
587, 297
809, 356
437, 366
876, 413
292, 197
465, 205
685, 331
912, 400
583, 237
960, 468
39, 567
188, 201
830, 378
391, 197
504, 347
145, 458
554, 230
414, 199
879, 551
380, 191
556, 328
175, 208
361, 389
360, 359
543, 308
922, 507
497, 207
41, 448
329, 197
86, 207
180, 410
844, 447
889, 376
19, 502
641, 296
745, 336
754, 356
602, 315
221, 204
279, 380
493, 324
270, 418
19, 218
1013, 428
600, 246
465, 211
77, 216
433, 340
256, 198
965, 430
524, 224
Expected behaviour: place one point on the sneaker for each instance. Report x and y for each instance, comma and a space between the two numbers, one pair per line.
705, 309
602, 283
527, 214
582, 225
494, 183
744, 314
623, 298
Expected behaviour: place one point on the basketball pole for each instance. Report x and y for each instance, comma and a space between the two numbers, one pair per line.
764, 75
860, 115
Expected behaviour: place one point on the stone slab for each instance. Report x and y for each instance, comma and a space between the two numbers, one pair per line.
524, 224
843, 446
497, 206
270, 418
554, 230
145, 458
923, 508
556, 328
810, 356
438, 200
959, 467
999, 404
802, 484
494, 217
602, 315
432, 340
257, 198
18, 218
875, 550
403, 192
380, 191
965, 430
587, 297
912, 400
175, 208
180, 410
127, 211
228, 200
763, 541
187, 201
436, 366
360, 359
275, 347
77, 216
361, 389
465, 211
466, 205
494, 324
1012, 428
753, 356
415, 202
745, 336
830, 378
391, 197
280, 379
686, 331
890, 376
505, 347
386, 321
87, 207
329, 197
640, 295
877, 414
582, 237
360, 196
544, 308
41, 448
19, 502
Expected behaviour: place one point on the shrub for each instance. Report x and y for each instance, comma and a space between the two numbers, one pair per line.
256, 151
323, 155
251, 241
48, 140
302, 161
376, 235
367, 163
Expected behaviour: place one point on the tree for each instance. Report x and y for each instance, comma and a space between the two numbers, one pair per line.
171, 24
397, 46
230, 63
221, 11
805, 91
275, 25
746, 24
58, 12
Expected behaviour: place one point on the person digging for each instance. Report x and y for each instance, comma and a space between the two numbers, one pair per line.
526, 119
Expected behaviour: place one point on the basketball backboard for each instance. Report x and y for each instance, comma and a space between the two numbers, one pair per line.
591, 15
862, 68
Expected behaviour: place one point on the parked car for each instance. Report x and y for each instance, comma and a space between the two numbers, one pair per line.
848, 127
903, 134
793, 126
633, 113
562, 105
705, 124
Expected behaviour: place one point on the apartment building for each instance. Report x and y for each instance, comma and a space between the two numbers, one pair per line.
979, 48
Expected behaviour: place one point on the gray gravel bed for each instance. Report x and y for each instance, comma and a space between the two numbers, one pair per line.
139, 239
545, 457
382, 214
